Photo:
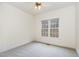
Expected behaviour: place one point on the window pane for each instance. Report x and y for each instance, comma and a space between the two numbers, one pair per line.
44, 24
44, 30
54, 27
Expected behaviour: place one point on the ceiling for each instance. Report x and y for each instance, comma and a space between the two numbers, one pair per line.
47, 6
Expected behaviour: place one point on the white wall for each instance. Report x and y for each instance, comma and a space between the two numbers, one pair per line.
15, 27
77, 28
67, 27
18, 28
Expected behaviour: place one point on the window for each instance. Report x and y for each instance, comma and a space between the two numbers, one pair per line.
54, 25
44, 28
51, 27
